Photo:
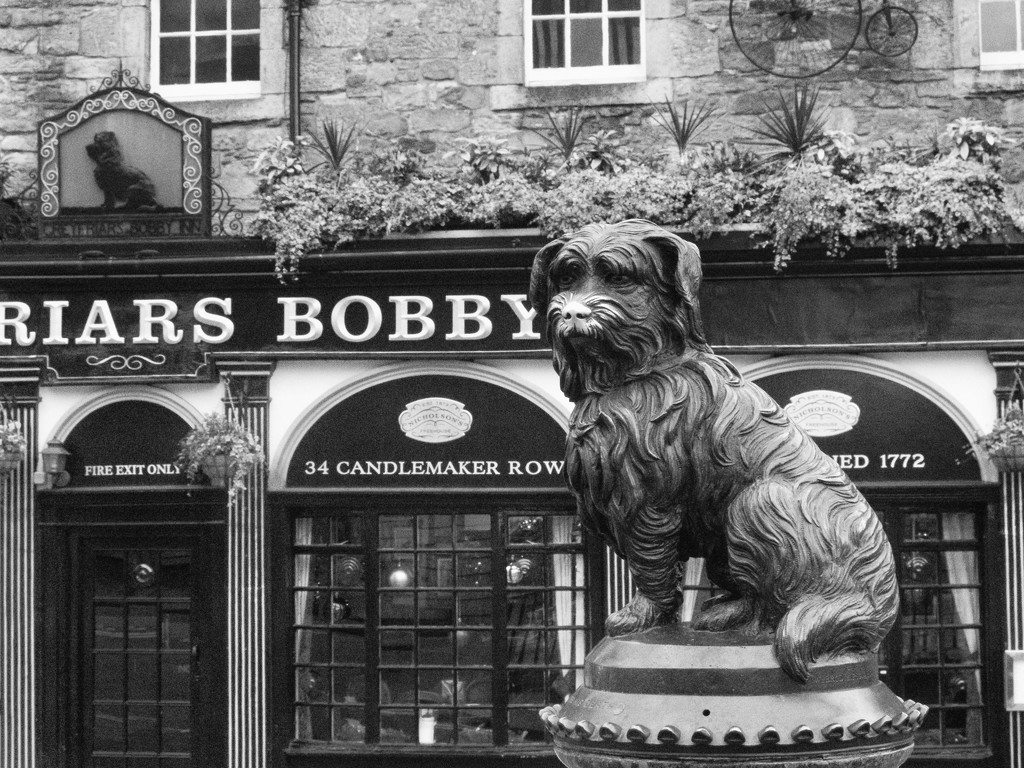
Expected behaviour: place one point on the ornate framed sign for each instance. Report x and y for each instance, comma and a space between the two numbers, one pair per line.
123, 162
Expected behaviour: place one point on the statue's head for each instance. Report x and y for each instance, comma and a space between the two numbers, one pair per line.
618, 297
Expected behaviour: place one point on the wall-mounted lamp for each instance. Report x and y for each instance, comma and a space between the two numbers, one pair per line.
55, 461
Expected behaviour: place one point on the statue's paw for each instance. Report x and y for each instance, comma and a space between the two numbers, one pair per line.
639, 614
725, 614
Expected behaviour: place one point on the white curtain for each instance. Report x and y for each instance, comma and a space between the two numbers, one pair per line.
569, 604
304, 637
962, 568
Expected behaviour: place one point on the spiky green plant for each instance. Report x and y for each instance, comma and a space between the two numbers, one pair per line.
684, 123
335, 145
794, 125
566, 134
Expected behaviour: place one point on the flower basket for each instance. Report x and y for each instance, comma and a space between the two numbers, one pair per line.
221, 449
12, 446
9, 461
1009, 458
1005, 443
218, 468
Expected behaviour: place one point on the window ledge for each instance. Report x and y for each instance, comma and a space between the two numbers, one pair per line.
504, 97
218, 92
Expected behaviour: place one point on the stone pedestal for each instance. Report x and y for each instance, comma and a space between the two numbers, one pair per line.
672, 696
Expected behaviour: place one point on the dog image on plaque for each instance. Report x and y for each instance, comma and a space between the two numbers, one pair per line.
111, 166
123, 162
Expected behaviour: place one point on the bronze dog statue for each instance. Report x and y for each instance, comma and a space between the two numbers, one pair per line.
120, 183
672, 455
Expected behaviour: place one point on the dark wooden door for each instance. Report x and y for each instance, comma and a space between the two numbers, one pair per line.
149, 636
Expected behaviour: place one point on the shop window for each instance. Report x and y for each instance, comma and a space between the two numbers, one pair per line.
1000, 23
571, 42
934, 654
206, 49
435, 627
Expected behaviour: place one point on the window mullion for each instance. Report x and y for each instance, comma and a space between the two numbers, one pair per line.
371, 707
499, 629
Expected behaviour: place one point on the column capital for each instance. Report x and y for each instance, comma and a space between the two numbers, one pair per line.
20, 379
247, 381
1009, 366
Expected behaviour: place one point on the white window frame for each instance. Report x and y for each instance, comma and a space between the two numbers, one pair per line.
1002, 59
240, 89
568, 75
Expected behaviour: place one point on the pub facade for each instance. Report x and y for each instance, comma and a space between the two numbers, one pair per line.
403, 580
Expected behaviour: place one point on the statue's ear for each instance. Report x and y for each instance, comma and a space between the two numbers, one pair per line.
538, 295
688, 275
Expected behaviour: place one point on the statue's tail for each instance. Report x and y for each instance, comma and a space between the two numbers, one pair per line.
820, 625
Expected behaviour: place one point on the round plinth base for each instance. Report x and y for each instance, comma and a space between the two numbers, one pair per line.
881, 757
674, 696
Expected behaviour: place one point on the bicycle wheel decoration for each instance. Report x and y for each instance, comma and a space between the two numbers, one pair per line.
795, 38
891, 31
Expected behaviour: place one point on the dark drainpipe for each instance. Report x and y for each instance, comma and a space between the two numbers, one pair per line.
294, 88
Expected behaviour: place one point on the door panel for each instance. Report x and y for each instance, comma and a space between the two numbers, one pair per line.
143, 627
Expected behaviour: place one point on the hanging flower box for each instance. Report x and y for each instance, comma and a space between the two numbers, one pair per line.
1005, 443
12, 446
218, 469
222, 450
1008, 459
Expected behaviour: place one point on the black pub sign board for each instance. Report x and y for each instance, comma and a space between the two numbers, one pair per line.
123, 162
86, 335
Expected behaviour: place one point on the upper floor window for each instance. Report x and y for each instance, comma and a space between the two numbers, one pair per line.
574, 42
1000, 31
206, 49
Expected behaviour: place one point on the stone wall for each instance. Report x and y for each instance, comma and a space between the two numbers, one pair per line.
429, 71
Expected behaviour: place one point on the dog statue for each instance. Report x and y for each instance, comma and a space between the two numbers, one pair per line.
672, 455
121, 184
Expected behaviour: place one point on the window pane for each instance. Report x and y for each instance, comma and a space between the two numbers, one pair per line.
108, 728
245, 14
584, 6
211, 59
548, 44
245, 57
174, 15
174, 61
547, 7
623, 5
348, 724
108, 674
143, 729
624, 41
586, 43
175, 729
998, 26
143, 677
211, 15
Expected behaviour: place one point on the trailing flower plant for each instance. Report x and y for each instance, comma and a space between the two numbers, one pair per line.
12, 437
814, 189
218, 436
1007, 432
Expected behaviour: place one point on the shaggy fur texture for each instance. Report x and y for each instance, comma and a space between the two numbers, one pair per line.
671, 455
121, 184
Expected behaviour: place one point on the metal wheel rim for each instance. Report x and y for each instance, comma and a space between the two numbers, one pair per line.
799, 27
902, 28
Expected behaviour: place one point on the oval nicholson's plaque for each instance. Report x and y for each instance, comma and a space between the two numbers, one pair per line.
435, 420
823, 413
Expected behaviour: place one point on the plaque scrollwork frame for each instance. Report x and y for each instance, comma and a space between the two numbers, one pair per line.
194, 131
